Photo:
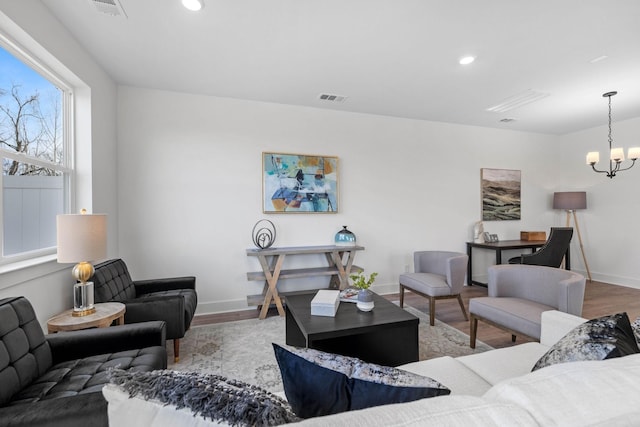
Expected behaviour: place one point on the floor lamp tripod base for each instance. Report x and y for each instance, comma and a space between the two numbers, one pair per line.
575, 220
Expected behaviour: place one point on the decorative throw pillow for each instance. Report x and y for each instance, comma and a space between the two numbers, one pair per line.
597, 339
210, 396
636, 329
318, 383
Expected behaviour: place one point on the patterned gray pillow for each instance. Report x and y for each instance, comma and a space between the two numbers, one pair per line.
597, 339
211, 396
636, 329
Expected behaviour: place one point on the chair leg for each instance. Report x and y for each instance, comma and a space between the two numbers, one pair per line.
464, 311
432, 311
176, 350
401, 296
473, 332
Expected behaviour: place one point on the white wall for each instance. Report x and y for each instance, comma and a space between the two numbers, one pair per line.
28, 23
188, 181
609, 224
189, 171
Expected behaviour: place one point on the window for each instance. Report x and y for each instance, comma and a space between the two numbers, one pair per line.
35, 150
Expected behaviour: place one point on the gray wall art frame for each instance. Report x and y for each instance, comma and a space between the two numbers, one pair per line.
501, 194
299, 183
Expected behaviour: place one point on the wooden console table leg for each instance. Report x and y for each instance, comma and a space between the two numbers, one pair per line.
343, 269
272, 281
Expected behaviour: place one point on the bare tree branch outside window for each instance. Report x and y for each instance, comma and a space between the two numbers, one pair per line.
28, 128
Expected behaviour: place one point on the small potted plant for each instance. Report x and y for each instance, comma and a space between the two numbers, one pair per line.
365, 296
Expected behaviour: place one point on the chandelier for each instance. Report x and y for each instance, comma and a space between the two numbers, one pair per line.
616, 154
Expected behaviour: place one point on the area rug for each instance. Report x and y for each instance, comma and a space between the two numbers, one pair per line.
243, 350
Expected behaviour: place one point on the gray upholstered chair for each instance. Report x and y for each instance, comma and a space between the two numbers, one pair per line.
553, 251
518, 294
437, 275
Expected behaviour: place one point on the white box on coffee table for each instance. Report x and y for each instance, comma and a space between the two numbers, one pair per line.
325, 303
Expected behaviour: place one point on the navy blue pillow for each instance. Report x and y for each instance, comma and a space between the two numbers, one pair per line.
318, 383
312, 390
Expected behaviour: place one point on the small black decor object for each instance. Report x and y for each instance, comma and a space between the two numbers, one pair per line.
264, 234
345, 237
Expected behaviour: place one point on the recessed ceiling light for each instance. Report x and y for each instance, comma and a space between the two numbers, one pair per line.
194, 5
467, 60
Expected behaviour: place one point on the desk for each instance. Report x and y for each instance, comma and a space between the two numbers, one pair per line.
498, 247
105, 314
340, 266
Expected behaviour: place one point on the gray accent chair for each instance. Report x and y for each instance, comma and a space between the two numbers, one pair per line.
518, 294
437, 275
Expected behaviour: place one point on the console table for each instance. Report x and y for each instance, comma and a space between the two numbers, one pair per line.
498, 247
339, 258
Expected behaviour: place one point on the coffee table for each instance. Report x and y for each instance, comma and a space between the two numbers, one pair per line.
387, 335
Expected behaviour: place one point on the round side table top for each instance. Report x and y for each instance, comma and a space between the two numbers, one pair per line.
105, 314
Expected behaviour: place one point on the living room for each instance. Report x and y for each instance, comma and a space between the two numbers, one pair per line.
405, 184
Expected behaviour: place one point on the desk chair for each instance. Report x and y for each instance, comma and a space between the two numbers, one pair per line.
553, 251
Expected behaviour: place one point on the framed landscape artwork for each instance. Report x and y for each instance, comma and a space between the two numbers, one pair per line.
500, 194
299, 183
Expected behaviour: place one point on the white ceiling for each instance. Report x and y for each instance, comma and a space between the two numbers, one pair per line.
388, 57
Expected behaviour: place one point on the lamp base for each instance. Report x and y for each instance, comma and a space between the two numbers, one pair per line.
83, 299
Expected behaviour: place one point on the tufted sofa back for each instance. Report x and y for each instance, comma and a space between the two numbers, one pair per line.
24, 353
112, 282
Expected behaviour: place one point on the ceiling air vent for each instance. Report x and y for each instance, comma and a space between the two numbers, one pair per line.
109, 7
517, 101
332, 98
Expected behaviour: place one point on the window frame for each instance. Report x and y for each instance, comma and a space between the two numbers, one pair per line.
66, 167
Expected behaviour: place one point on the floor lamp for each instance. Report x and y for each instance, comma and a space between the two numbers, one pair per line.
571, 201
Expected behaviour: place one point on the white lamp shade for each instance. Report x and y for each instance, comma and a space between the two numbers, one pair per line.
81, 237
570, 200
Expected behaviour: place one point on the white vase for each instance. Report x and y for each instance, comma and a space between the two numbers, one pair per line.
365, 300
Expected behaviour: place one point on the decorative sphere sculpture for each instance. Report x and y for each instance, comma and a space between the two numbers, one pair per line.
264, 234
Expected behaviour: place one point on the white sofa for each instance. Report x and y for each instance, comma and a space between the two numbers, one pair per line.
494, 388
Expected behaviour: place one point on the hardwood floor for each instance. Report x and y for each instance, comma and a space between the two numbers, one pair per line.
600, 299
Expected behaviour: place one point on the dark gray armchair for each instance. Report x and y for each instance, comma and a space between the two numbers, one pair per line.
56, 380
553, 251
173, 300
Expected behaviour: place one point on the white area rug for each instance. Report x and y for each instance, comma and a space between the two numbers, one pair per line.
243, 349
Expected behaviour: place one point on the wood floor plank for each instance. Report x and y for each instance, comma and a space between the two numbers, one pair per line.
600, 299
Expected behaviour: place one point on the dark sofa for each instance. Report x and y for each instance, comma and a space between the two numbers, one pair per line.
56, 380
173, 300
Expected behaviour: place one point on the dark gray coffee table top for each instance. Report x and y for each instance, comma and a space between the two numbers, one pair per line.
348, 320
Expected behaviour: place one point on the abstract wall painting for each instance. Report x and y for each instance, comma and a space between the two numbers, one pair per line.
500, 194
299, 183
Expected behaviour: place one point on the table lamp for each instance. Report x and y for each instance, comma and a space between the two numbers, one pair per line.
571, 201
82, 238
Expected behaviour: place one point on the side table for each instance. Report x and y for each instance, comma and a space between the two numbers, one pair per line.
105, 314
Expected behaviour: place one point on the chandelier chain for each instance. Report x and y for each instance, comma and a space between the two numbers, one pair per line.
610, 139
